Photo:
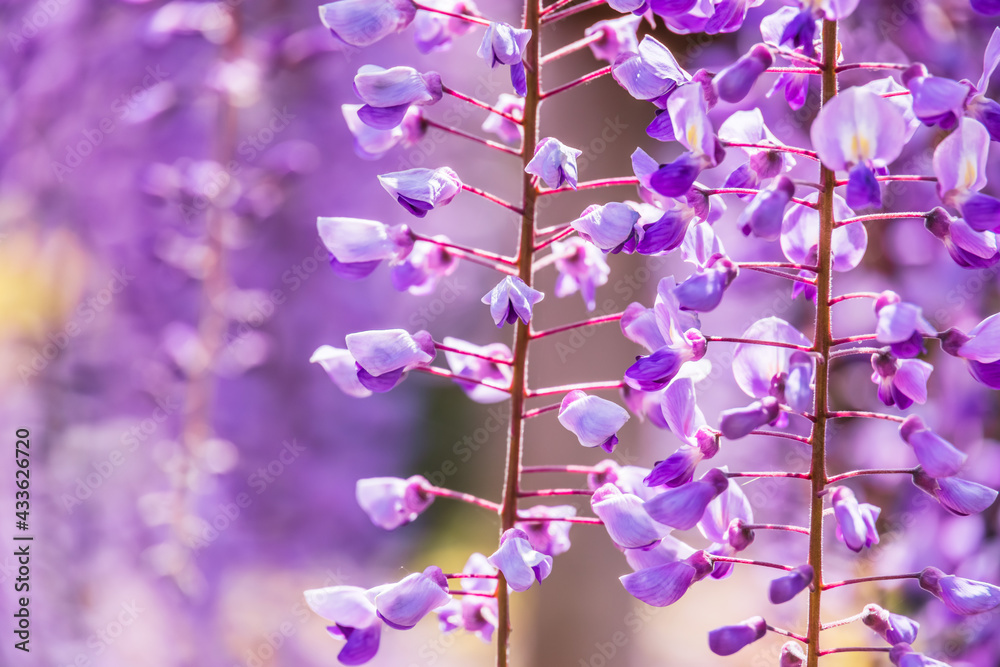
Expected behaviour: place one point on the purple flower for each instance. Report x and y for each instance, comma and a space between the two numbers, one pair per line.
504, 45
701, 244
688, 111
384, 356
403, 604
364, 22
435, 32
960, 167
935, 100
764, 215
961, 596
666, 551
617, 37
800, 235
901, 382
980, 348
903, 655
968, 248
627, 479
791, 655
582, 268
627, 523
859, 131
370, 143
661, 231
958, 496
758, 368
481, 370
747, 127
650, 74
547, 537
388, 93
686, 421
352, 611
734, 82
724, 524
901, 325
507, 130
684, 506
787, 586
655, 371
511, 300
663, 585
855, 523
358, 245
342, 369
593, 420
473, 613
424, 267
609, 227
703, 291
894, 628
731, 638
422, 190
936, 456
521, 565
391, 502
737, 423
554, 163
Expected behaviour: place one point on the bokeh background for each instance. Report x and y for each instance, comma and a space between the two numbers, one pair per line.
162, 287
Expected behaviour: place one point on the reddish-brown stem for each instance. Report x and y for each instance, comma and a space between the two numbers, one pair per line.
473, 594
440, 372
586, 78
583, 386
464, 497
862, 580
557, 237
930, 179
528, 414
583, 470
794, 55
770, 473
462, 575
853, 351
573, 47
545, 493
482, 105
854, 649
873, 471
493, 198
898, 93
782, 274
775, 265
787, 633
854, 295
776, 526
795, 70
553, 7
750, 191
589, 185
754, 341
472, 137
850, 66
843, 414
485, 254
576, 325
567, 519
745, 561
582, 7
465, 17
495, 360
781, 149
880, 216
852, 339
780, 434
843, 621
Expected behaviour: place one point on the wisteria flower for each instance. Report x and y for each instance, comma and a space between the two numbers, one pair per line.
795, 86
403, 604
960, 167
422, 190
935, 100
504, 45
555, 163
688, 111
724, 523
735, 81
703, 291
627, 523
342, 369
687, 422
731, 638
663, 585
683, 507
800, 235
747, 127
593, 420
492, 378
666, 551
511, 300
370, 143
901, 325
787, 586
384, 356
758, 369
980, 348
894, 628
388, 93
364, 22
352, 611
855, 522
627, 479
651, 73
791, 655
901, 382
521, 565
660, 231
504, 128
391, 502
582, 268
859, 131
968, 248
610, 227
701, 244
358, 246
547, 537
424, 267
937, 456
764, 215
436, 32
961, 596
959, 496
737, 423
903, 655
617, 36
473, 613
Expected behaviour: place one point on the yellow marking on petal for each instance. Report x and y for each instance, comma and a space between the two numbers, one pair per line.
693, 136
968, 173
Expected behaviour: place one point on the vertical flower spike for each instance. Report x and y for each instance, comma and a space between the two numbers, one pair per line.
791, 655
521, 565
483, 371
342, 369
618, 36
683, 507
422, 190
511, 300
859, 131
703, 291
593, 420
582, 268
936, 456
855, 523
958, 496
650, 74
555, 163
663, 585
352, 611
548, 537
388, 93
901, 325
610, 227
507, 130
764, 215
364, 22
737, 423
960, 167
733, 83
894, 628
358, 245
627, 523
436, 32
968, 248
787, 586
384, 356
391, 502
729, 639
901, 382
961, 596
403, 604
504, 45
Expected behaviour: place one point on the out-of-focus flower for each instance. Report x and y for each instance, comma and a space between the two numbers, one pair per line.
903, 655
506, 129
731, 638
424, 267
547, 537
555, 163
703, 291
980, 348
800, 235
434, 31
618, 36
958, 496
422, 190
747, 127
483, 371
391, 502
582, 268
936, 456
791, 655
403, 604
370, 143
521, 565
595, 421
961, 596
766, 212
511, 300
473, 613
901, 325
504, 45
364, 22
342, 369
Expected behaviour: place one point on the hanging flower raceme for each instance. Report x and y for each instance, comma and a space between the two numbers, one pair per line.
473, 613
960, 167
505, 128
617, 36
901, 325
936, 456
787, 586
627, 523
504, 45
555, 163
364, 22
663, 585
747, 127
388, 93
593, 420
901, 382
391, 502
582, 268
548, 537
855, 521
688, 111
968, 248
491, 378
610, 227
894, 628
358, 246
861, 132
959, 496
682, 507
424, 267
961, 596
521, 565
436, 32
511, 300
422, 190
731, 638
733, 83
371, 144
